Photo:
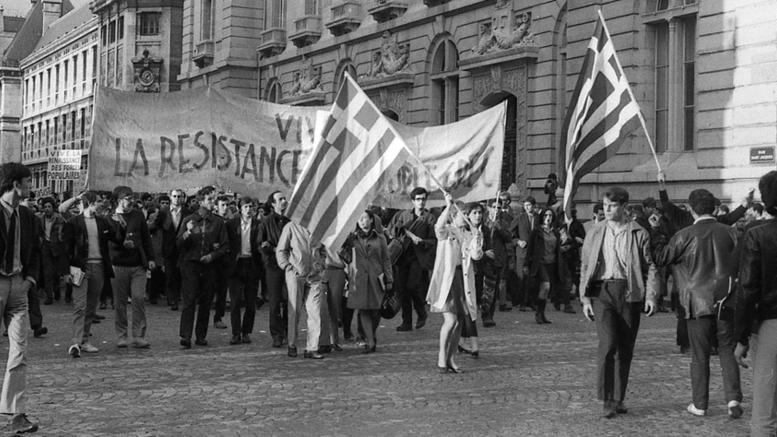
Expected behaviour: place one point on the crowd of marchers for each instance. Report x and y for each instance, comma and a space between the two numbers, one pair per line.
211, 252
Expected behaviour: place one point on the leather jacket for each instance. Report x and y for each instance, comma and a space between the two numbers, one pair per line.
757, 296
703, 262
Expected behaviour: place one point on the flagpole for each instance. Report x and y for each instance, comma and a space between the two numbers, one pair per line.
631, 94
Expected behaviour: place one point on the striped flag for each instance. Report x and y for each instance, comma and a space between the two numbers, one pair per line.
358, 149
601, 114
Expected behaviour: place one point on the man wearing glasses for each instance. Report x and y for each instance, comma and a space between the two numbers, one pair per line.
169, 221
413, 229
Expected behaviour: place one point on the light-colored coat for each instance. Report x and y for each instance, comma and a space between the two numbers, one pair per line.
370, 261
454, 242
295, 253
640, 262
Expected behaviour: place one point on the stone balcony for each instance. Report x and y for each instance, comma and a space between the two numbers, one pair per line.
307, 30
346, 17
385, 10
203, 53
273, 42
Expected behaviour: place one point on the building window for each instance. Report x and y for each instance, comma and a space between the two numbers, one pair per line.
56, 84
689, 82
75, 74
120, 28
83, 126
274, 15
83, 71
674, 47
119, 70
311, 7
207, 20
94, 66
55, 138
112, 31
445, 83
48, 87
274, 91
104, 34
149, 23
48, 133
350, 69
66, 70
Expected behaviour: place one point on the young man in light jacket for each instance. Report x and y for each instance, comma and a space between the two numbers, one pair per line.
617, 275
304, 265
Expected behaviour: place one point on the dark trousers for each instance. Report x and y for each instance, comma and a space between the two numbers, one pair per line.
33, 302
172, 280
107, 292
347, 317
411, 283
276, 281
242, 291
486, 283
155, 285
617, 323
222, 283
701, 332
198, 282
49, 264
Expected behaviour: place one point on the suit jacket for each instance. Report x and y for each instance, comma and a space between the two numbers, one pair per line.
423, 228
164, 223
234, 233
523, 226
29, 240
209, 237
77, 242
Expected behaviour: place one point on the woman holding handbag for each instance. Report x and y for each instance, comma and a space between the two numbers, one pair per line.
452, 287
367, 252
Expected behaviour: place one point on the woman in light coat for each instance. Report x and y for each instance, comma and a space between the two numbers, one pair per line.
367, 252
452, 286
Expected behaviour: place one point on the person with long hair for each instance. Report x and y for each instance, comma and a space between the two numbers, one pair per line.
452, 287
367, 252
546, 264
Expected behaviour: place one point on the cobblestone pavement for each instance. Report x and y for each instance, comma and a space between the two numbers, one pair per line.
531, 380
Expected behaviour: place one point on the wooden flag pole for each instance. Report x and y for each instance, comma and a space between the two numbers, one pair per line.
631, 94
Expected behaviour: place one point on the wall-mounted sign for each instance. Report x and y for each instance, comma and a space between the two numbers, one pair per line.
762, 155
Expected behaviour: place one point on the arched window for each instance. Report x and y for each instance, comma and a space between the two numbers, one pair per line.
275, 14
342, 68
274, 91
444, 75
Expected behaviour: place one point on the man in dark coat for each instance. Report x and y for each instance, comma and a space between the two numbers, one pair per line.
244, 266
275, 278
413, 229
169, 221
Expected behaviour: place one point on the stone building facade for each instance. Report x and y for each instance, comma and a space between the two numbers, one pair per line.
140, 44
58, 83
703, 73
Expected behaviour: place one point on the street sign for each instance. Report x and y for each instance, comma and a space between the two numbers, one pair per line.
762, 155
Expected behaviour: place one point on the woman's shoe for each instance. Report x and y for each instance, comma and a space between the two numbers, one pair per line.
453, 369
442, 369
475, 354
368, 349
538, 318
464, 350
545, 320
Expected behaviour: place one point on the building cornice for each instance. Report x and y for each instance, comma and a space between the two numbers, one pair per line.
97, 6
60, 43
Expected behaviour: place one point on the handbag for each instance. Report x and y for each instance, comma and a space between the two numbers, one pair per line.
390, 305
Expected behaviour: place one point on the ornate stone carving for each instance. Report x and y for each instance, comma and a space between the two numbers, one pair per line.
392, 58
307, 79
391, 99
507, 29
147, 73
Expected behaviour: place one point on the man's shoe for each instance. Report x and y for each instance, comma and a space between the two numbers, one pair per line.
74, 351
695, 411
277, 342
684, 349
89, 348
48, 301
122, 343
246, 338
186, 343
235, 340
40, 332
292, 352
620, 408
141, 343
568, 309
404, 328
337, 348
735, 410
201, 342
608, 411
326, 349
96, 322
713, 351
218, 324
312, 355
348, 336
488, 323
20, 424
259, 302
420, 323
174, 307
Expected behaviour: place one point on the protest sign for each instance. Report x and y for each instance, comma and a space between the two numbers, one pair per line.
193, 138
64, 165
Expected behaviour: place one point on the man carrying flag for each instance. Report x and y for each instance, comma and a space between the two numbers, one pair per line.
359, 149
617, 270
